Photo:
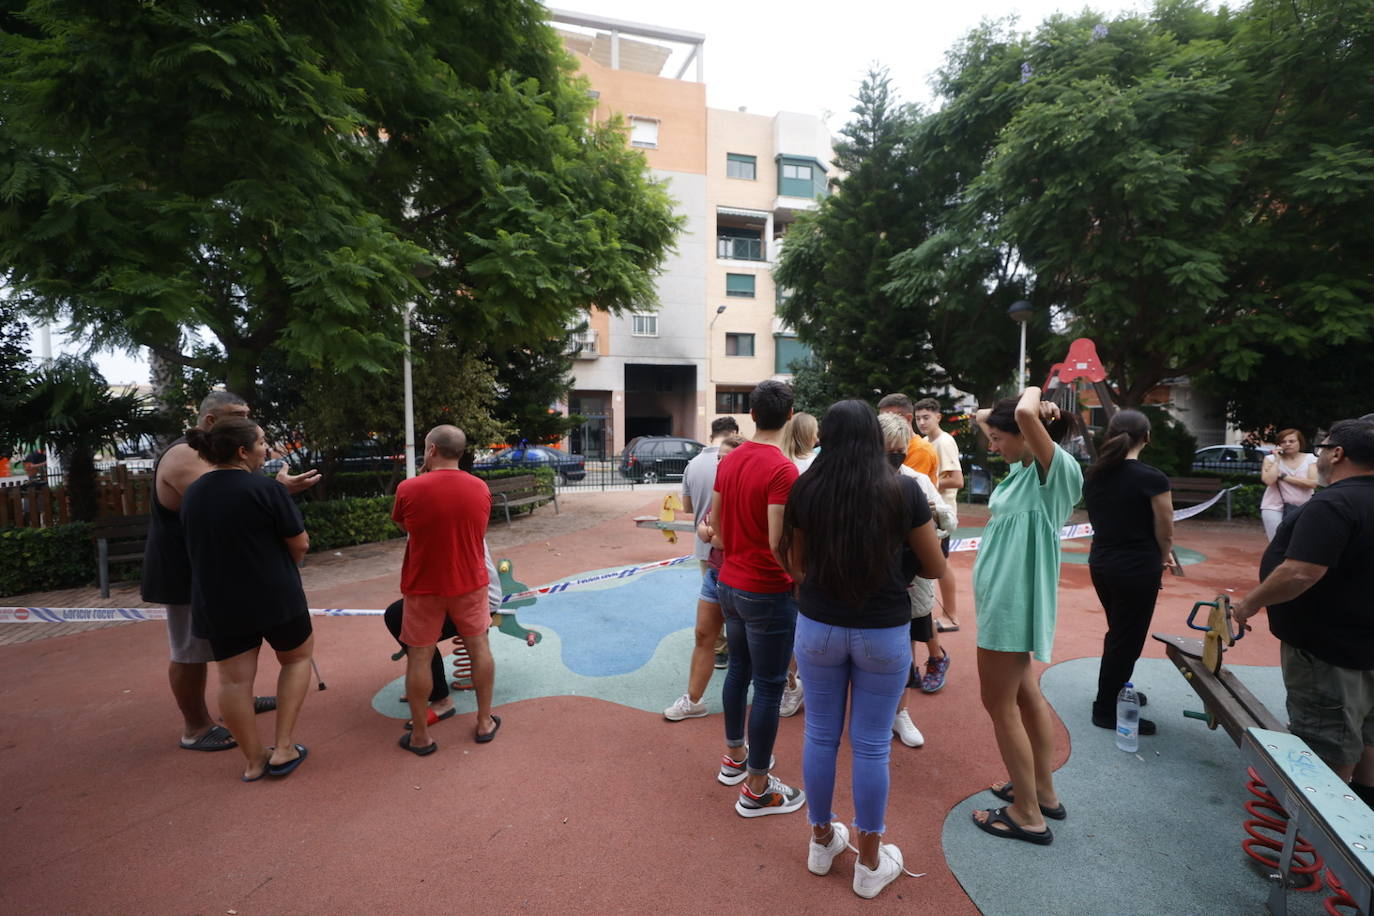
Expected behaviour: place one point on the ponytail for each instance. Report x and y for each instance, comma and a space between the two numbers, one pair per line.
1127, 429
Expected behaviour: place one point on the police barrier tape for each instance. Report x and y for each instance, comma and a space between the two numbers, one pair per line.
100, 614
103, 614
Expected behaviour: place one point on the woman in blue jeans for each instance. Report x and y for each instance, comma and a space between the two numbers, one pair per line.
854, 534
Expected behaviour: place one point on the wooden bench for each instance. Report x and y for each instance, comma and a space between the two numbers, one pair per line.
1320, 806
1194, 490
524, 490
118, 539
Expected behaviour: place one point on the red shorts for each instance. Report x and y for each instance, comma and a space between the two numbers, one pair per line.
422, 619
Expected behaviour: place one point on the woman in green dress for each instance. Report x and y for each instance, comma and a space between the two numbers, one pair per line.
1015, 593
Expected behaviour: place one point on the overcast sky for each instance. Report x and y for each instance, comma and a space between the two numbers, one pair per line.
773, 56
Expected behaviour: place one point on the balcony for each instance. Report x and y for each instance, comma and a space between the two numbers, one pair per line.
584, 345
739, 249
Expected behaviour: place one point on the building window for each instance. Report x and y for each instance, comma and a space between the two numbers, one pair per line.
737, 165
739, 344
732, 400
644, 132
739, 244
801, 177
739, 285
644, 325
787, 352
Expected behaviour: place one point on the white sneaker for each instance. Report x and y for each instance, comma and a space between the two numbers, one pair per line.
791, 700
819, 858
869, 882
906, 729
684, 708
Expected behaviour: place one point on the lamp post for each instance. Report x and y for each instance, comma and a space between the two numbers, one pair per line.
1020, 312
421, 271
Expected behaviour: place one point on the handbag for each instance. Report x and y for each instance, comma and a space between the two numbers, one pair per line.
1289, 510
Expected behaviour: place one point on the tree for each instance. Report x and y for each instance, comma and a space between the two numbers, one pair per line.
274, 175
835, 262
530, 380
1180, 188
67, 406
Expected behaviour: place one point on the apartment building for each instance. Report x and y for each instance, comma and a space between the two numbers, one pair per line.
739, 180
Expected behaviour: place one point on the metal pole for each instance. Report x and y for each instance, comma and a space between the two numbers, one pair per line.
1022, 363
410, 397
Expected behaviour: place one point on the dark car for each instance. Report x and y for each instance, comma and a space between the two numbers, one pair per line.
1234, 459
566, 466
649, 459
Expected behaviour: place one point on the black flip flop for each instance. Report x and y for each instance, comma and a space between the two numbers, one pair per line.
483, 739
263, 704
438, 717
1005, 793
1014, 830
216, 739
279, 770
418, 751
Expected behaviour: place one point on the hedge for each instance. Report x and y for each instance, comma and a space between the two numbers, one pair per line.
345, 522
36, 559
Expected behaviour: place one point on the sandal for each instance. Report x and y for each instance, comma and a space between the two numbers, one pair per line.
217, 738
279, 770
418, 751
263, 704
1005, 793
483, 739
1014, 830
433, 718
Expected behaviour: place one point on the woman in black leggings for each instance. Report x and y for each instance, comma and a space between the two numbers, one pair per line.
1132, 514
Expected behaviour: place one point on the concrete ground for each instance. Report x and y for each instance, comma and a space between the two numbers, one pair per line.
588, 800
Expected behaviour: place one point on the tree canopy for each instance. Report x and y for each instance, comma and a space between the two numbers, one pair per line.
1183, 187
275, 175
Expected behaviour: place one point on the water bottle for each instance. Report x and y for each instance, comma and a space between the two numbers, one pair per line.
1128, 719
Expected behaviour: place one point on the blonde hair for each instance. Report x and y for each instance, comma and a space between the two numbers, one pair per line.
896, 432
799, 436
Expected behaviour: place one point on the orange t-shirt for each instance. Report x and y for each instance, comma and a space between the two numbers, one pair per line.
922, 458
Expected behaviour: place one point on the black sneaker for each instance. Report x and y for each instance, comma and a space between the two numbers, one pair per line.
722, 660
1147, 726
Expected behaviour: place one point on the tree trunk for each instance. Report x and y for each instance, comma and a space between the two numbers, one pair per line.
241, 375
82, 486
167, 391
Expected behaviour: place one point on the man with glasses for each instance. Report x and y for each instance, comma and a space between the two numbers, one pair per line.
1317, 579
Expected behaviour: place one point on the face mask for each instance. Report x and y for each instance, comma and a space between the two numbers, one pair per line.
895, 459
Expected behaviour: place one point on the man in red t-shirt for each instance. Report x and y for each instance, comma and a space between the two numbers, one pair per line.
751, 490
444, 575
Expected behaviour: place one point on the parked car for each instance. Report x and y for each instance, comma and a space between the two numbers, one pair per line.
649, 459
1234, 459
566, 466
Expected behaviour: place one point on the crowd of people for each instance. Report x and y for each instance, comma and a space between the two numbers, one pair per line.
821, 547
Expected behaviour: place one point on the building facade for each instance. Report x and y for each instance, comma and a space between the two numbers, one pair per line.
738, 180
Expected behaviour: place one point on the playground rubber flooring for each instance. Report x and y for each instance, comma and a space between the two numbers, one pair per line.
589, 800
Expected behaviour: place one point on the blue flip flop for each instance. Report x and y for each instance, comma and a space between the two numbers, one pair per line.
279, 770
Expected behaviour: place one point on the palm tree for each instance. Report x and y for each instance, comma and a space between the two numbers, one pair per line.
67, 406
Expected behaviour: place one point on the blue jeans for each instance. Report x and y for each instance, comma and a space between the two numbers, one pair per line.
759, 629
868, 668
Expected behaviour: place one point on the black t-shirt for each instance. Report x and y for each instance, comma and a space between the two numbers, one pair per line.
1334, 619
1118, 503
242, 576
887, 605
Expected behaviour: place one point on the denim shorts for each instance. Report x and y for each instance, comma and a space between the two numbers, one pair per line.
710, 579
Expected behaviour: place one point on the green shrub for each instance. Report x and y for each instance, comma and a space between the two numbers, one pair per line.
1245, 502
344, 522
36, 559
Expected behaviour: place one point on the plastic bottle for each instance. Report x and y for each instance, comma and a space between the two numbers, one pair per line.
1128, 719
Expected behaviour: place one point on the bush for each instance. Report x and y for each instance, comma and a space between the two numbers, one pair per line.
1245, 502
344, 522
35, 559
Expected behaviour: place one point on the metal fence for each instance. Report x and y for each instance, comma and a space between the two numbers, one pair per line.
601, 475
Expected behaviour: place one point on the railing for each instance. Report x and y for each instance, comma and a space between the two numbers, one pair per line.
738, 249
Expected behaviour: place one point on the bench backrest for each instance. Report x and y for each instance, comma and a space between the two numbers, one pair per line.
514, 485
1194, 488
121, 527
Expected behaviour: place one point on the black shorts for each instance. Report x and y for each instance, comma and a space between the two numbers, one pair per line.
921, 628
283, 638
944, 545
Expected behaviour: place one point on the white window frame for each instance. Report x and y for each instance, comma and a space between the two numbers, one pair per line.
642, 325
644, 132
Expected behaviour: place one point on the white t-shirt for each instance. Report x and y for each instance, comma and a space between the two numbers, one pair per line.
947, 451
946, 519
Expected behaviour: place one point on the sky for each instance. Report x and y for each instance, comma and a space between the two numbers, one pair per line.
772, 56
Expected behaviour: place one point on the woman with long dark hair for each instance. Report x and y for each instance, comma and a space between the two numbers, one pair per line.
1015, 594
847, 523
1132, 514
245, 538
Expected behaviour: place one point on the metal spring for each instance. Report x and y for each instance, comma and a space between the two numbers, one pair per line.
1267, 814
462, 665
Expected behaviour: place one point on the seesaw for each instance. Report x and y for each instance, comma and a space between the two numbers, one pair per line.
1310, 817
667, 520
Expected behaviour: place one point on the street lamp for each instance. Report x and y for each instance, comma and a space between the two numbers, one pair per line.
719, 311
1020, 312
420, 271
